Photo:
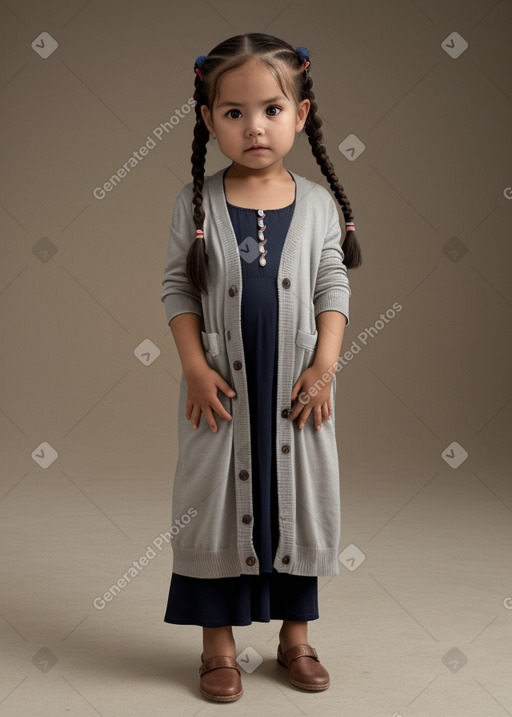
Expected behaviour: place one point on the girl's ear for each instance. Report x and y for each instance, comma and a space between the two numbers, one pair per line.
302, 113
207, 118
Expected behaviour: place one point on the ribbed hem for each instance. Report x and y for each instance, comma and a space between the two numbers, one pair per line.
208, 563
315, 561
226, 563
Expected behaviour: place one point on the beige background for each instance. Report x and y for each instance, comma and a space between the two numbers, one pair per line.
431, 195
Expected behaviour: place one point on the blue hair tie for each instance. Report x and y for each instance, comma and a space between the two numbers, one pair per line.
303, 53
197, 66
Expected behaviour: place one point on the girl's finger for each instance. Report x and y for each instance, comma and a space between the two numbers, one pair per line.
304, 416
195, 416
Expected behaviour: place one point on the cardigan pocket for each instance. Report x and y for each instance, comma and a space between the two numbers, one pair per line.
215, 354
305, 344
211, 343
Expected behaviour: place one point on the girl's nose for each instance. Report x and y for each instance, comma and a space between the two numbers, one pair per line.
254, 128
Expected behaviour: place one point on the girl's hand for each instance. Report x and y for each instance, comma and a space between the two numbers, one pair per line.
202, 396
316, 399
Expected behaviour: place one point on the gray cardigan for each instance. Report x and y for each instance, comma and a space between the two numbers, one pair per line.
213, 478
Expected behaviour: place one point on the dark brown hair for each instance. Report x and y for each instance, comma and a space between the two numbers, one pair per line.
286, 65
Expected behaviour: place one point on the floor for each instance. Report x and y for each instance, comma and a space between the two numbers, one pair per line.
417, 623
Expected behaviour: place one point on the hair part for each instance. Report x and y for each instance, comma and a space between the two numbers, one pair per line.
285, 64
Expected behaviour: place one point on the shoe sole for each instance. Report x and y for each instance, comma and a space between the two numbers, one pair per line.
222, 698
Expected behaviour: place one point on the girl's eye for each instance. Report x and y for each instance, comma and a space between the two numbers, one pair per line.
271, 107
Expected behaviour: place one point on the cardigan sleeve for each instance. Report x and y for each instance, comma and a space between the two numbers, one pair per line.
179, 295
332, 289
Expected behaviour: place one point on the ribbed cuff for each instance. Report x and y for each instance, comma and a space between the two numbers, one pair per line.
178, 304
334, 300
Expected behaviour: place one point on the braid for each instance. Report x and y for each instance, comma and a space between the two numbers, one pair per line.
197, 259
351, 248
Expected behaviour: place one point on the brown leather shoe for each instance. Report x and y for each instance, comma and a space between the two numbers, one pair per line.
220, 679
304, 668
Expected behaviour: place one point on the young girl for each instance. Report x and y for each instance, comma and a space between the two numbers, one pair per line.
256, 295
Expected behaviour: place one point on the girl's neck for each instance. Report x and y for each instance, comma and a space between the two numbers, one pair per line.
251, 191
257, 176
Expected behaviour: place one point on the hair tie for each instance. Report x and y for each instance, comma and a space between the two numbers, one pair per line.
303, 53
199, 233
197, 64
350, 226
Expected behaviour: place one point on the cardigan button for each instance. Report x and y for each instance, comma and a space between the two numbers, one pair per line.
247, 519
232, 290
243, 475
285, 412
286, 559
237, 365
285, 448
250, 560
286, 283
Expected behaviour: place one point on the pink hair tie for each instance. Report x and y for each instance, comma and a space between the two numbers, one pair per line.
199, 233
350, 226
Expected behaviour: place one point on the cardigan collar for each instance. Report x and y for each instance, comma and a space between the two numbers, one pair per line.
214, 188
218, 197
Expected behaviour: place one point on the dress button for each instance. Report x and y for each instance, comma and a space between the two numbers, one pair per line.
232, 290
243, 475
285, 448
285, 412
237, 365
250, 560
247, 519
286, 283
286, 559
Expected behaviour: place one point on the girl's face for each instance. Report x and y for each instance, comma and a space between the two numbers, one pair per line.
251, 110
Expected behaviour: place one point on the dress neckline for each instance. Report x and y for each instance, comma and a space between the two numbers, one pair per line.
247, 209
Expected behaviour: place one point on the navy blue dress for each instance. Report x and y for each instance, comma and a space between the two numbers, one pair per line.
214, 602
